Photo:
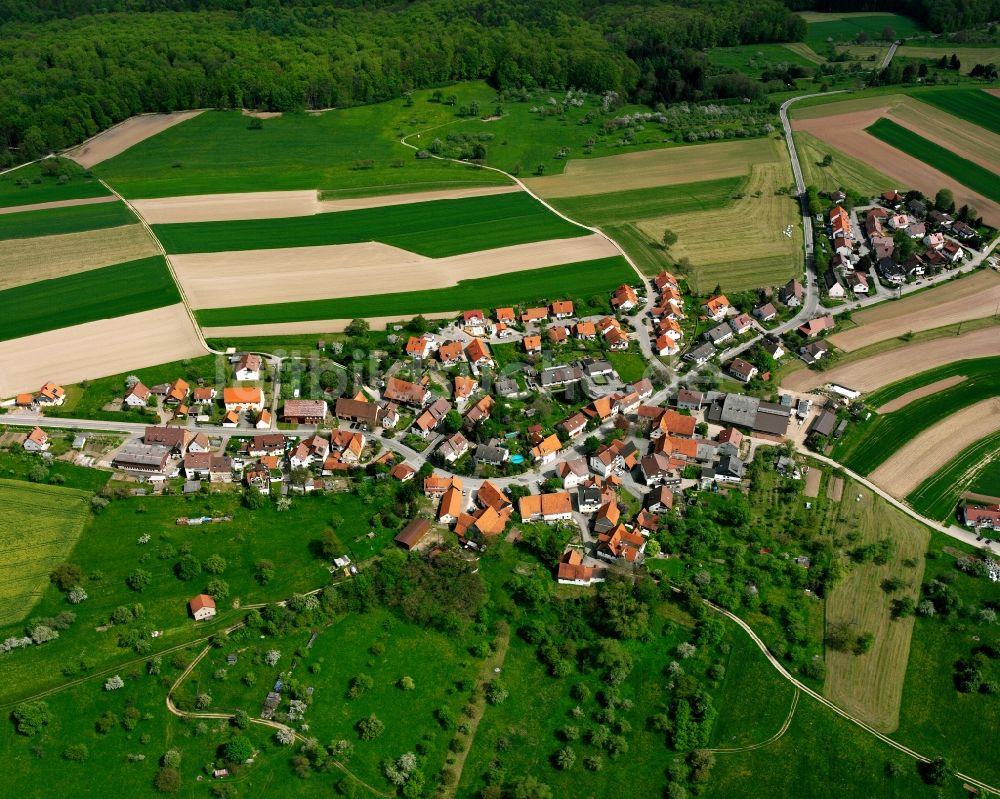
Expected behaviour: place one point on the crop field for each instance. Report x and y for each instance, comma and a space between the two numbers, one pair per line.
39, 525
45, 188
870, 686
574, 280
973, 470
434, 229
72, 219
973, 105
845, 172
966, 172
869, 444
627, 206
102, 293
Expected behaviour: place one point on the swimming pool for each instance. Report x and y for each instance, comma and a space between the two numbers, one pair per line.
517, 458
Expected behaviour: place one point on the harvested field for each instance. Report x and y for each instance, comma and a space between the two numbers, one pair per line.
917, 393
835, 489
283, 204
841, 127
813, 477
96, 349
973, 297
320, 326
121, 137
651, 168
843, 172
870, 686
260, 114
935, 447
16, 209
351, 270
987, 499
888, 367
29, 260
938, 495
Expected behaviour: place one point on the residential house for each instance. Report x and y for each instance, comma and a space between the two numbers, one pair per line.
719, 334
506, 315
491, 454
572, 570
558, 334
670, 328
175, 439
700, 354
773, 348
248, 367
561, 309
690, 400
452, 505
453, 448
243, 399
264, 420
489, 496
628, 403
624, 298
621, 545
791, 293
742, 370
406, 392
741, 323
436, 485
54, 394
765, 312
402, 472
602, 408
478, 353
917, 208
963, 231
420, 346
834, 288
585, 331
618, 456
450, 353
546, 507
204, 395
857, 282
617, 339
258, 476
898, 221
137, 396
607, 517
177, 392
269, 444
473, 318
891, 272
716, 308
660, 499
432, 416
934, 240
656, 468
314, 449
573, 472
231, 419
199, 443
574, 426
981, 518
730, 440
730, 469
358, 410
664, 346
532, 343
816, 326
643, 387
480, 411
664, 280
952, 252
938, 218
813, 352
916, 230
589, 498
547, 450
347, 445
556, 376
202, 607
465, 387
36, 441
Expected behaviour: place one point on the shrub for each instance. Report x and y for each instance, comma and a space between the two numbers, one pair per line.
76, 752
139, 580
370, 728
167, 780
214, 564
406, 683
30, 717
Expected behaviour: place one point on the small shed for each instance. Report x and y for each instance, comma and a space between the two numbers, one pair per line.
79, 442
412, 534
231, 659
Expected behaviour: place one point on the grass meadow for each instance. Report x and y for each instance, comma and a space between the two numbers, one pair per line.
845, 27
72, 219
754, 59
47, 188
974, 470
972, 105
583, 279
39, 524
16, 465
966, 172
435, 229
650, 257
867, 444
844, 173
102, 293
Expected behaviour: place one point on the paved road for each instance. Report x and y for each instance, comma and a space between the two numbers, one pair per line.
888, 56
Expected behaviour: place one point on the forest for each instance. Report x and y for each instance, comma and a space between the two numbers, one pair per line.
940, 16
71, 68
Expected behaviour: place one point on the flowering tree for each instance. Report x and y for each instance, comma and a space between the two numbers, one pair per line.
114, 683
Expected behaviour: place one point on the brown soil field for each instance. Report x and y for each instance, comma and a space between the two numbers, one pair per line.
813, 478
888, 367
14, 209
973, 297
319, 326
994, 92
30, 260
917, 393
845, 130
280, 204
260, 114
651, 168
835, 489
96, 349
227, 279
118, 139
984, 498
935, 447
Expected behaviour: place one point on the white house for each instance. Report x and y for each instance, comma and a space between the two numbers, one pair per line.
37, 441
243, 399
202, 607
248, 367
137, 396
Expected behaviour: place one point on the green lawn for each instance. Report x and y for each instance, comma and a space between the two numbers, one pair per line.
630, 365
972, 105
975, 470
85, 297
436, 229
47, 188
577, 280
627, 206
966, 172
72, 219
16, 465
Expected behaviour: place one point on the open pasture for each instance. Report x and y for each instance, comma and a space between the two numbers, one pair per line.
91, 350
70, 219
39, 524
973, 297
117, 139
573, 280
434, 229
43, 184
973, 470
968, 173
973, 105
870, 686
350, 270
103, 293
652, 168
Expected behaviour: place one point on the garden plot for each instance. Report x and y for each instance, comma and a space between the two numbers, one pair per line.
118, 139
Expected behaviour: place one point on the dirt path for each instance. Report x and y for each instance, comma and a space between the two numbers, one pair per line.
113, 141
16, 209
781, 731
488, 671
918, 393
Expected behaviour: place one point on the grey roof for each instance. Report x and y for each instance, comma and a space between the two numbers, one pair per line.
824, 424
559, 375
597, 367
731, 466
588, 495
719, 333
739, 409
506, 386
771, 418
488, 454
701, 352
135, 453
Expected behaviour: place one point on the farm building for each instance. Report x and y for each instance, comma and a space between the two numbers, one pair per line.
202, 607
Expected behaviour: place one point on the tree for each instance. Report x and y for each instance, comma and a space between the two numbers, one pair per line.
565, 758
406, 683
669, 238
66, 576
238, 749
215, 564
187, 568
241, 719
936, 771
76, 752
30, 717
217, 588
591, 445
496, 692
954, 63
370, 728
453, 421
888, 34
76, 595
944, 200
358, 328
530, 788
114, 683
172, 758
264, 571
167, 780
139, 580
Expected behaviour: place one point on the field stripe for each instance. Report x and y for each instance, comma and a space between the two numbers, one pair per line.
937, 496
973, 105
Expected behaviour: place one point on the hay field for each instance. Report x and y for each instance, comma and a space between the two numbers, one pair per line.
351, 270
96, 349
899, 363
870, 686
651, 168
843, 125
39, 525
845, 172
741, 246
121, 137
973, 297
29, 260
283, 204
935, 447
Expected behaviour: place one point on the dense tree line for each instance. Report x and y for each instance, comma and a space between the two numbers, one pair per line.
936, 15
70, 68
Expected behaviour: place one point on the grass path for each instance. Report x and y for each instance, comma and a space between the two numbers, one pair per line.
761, 744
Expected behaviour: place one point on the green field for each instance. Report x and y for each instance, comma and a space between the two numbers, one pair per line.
39, 524
974, 470
848, 26
627, 206
966, 172
869, 443
47, 188
72, 219
844, 172
582, 279
103, 293
436, 229
16, 465
972, 105
754, 59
